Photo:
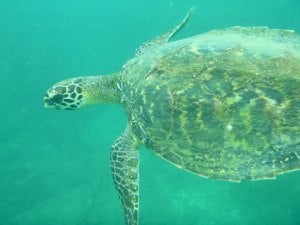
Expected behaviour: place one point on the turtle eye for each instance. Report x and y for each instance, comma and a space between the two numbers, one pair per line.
60, 89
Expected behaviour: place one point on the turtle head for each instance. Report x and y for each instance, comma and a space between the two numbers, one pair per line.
67, 94
76, 93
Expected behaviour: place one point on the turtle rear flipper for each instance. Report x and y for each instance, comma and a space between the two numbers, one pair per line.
124, 166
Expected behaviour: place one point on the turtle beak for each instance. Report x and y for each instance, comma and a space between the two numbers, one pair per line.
47, 102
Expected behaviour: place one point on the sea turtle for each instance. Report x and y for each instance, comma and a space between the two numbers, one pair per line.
224, 104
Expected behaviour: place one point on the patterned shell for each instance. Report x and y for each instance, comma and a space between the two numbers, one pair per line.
224, 104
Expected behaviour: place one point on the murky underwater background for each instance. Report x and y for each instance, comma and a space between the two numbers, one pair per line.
54, 165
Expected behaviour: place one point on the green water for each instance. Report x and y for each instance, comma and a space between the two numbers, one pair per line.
54, 165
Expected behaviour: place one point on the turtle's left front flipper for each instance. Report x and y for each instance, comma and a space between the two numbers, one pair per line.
124, 165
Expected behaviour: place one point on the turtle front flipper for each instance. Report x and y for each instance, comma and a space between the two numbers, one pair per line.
147, 46
124, 165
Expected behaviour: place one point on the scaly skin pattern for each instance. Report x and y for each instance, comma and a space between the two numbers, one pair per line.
124, 165
78, 92
225, 104
66, 94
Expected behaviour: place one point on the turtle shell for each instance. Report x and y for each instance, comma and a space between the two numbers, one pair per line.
224, 104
